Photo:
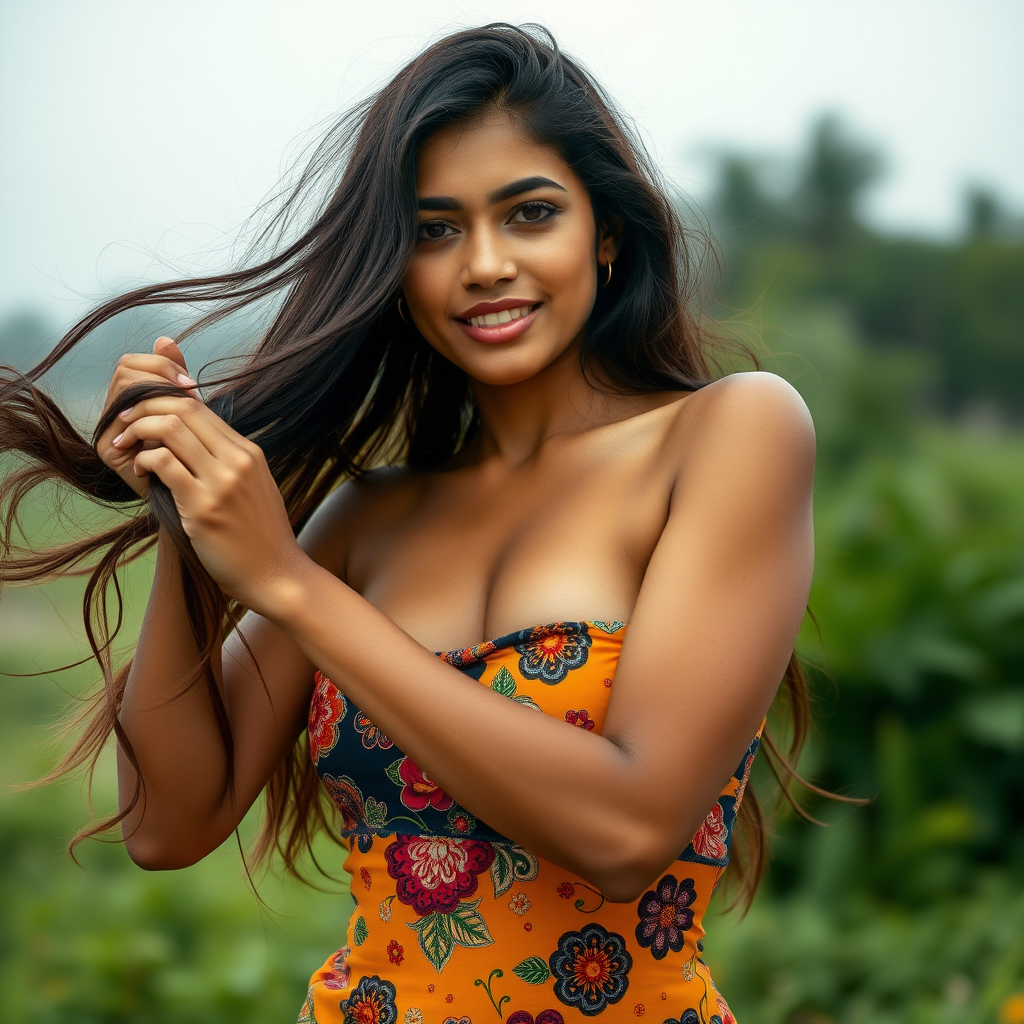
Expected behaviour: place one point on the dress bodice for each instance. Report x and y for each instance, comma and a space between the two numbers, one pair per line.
454, 923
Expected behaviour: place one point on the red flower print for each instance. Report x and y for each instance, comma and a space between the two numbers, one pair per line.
711, 836
396, 952
449, 998
639, 1009
372, 736
528, 927
326, 709
436, 872
566, 890
365, 876
337, 976
419, 791
581, 719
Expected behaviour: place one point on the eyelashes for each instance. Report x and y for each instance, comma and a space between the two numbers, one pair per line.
534, 211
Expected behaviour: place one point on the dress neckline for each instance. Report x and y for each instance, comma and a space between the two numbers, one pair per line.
462, 656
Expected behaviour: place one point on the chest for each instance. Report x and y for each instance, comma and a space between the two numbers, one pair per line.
568, 538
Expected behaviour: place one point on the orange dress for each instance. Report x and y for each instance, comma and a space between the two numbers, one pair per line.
455, 924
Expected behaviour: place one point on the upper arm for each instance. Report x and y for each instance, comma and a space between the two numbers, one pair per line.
722, 598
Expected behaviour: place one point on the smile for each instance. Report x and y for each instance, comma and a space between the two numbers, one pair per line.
498, 325
503, 316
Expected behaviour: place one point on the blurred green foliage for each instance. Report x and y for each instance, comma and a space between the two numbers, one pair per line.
910, 909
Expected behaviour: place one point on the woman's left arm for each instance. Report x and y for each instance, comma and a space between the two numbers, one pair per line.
708, 642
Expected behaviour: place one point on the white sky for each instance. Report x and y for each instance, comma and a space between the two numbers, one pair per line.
131, 128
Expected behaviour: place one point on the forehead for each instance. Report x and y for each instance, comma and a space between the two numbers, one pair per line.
473, 159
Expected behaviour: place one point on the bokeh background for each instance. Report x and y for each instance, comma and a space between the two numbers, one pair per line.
860, 167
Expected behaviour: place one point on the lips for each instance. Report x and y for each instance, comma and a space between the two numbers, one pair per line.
493, 322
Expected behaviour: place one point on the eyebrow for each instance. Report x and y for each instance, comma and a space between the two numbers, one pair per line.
499, 195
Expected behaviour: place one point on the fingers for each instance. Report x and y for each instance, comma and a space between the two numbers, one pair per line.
162, 463
169, 431
168, 348
157, 365
215, 434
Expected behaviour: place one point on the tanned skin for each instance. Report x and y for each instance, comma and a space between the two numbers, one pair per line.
687, 515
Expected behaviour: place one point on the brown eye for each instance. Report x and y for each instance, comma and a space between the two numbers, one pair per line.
432, 230
533, 213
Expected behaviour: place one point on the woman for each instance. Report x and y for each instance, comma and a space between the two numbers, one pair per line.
486, 338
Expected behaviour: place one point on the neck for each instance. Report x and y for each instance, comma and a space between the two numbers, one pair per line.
516, 420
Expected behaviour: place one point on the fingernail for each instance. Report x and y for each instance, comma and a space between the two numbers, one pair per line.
125, 413
186, 381
117, 440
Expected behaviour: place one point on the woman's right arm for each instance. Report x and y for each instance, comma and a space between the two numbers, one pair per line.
186, 808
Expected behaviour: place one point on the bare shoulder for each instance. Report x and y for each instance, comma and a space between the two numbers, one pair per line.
747, 415
376, 496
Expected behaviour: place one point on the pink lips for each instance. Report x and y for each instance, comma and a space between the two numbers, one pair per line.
499, 332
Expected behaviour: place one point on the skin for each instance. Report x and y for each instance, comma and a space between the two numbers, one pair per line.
686, 515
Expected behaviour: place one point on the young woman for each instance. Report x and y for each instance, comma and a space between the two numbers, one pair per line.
473, 537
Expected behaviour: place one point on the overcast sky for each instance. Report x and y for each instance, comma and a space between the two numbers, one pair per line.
135, 130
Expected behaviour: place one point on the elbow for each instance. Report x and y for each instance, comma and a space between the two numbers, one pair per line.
630, 865
153, 853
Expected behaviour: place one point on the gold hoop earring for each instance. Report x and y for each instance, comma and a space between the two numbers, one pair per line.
400, 313
608, 280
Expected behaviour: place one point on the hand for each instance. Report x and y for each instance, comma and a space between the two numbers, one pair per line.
167, 364
230, 506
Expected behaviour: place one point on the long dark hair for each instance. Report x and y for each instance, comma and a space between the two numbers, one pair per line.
339, 383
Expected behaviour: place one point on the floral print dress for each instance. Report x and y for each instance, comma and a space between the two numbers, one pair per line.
455, 924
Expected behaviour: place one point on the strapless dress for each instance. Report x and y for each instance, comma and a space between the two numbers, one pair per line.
455, 924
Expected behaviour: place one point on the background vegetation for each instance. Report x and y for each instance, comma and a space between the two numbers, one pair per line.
910, 356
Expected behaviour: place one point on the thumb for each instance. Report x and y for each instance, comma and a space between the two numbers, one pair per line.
168, 347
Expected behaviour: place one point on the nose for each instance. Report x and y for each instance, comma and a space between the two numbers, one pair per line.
487, 260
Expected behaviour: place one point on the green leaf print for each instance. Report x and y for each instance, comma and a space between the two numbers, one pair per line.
392, 772
306, 1015
467, 926
435, 939
524, 864
504, 682
360, 931
375, 812
521, 698
502, 876
533, 970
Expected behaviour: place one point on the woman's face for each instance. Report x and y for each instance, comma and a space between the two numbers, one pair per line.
504, 270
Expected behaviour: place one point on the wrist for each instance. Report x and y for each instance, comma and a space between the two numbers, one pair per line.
290, 589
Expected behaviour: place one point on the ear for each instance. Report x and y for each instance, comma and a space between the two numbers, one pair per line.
609, 240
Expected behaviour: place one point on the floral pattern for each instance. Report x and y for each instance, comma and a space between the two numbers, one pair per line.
580, 719
326, 710
418, 791
372, 1002
591, 969
507, 937
372, 736
710, 839
666, 914
550, 653
436, 872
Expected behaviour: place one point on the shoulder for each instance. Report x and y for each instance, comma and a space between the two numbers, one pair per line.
751, 415
352, 507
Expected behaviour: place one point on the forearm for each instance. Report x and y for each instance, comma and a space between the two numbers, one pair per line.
571, 796
172, 728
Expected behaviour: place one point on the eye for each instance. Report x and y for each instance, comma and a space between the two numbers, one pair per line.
433, 231
533, 213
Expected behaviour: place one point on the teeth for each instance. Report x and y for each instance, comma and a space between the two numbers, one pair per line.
504, 316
